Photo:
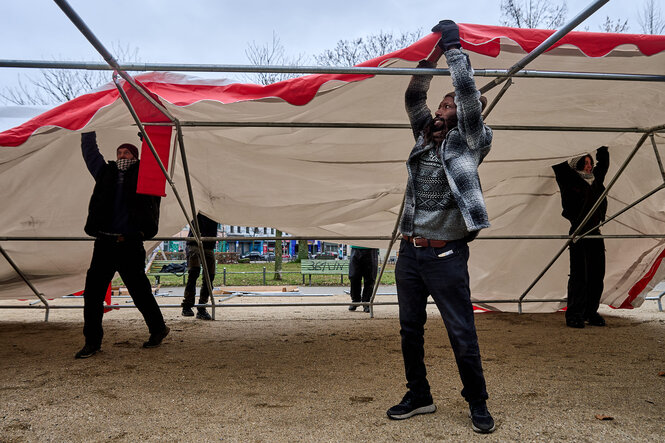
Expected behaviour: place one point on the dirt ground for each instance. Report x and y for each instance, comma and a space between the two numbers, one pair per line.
297, 373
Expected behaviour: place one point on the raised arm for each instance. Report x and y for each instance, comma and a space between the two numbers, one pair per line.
93, 158
467, 96
602, 164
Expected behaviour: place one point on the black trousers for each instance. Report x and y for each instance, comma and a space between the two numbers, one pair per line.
443, 274
363, 265
585, 282
128, 259
193, 272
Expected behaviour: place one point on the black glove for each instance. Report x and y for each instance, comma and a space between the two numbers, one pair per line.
449, 34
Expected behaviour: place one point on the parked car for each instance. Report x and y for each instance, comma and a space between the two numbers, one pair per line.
254, 256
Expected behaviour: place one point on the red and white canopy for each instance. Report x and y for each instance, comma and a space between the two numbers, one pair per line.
350, 181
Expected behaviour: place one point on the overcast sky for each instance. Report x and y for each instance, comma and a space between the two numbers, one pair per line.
209, 31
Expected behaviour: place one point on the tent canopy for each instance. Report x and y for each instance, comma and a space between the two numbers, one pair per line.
324, 181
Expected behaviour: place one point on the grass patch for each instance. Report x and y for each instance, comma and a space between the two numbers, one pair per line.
251, 274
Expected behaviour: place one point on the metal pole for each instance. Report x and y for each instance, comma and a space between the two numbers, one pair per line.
547, 44
393, 238
25, 279
498, 97
98, 66
639, 200
197, 230
655, 151
588, 216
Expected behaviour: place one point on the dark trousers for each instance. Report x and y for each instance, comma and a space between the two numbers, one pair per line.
128, 259
443, 274
585, 282
363, 266
193, 272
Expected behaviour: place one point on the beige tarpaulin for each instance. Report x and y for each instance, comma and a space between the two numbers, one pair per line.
350, 181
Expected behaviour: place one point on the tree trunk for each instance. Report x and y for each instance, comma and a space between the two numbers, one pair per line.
302, 250
278, 255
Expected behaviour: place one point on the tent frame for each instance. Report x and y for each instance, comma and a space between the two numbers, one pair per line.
501, 76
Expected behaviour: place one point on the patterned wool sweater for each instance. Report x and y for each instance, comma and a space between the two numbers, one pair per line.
443, 197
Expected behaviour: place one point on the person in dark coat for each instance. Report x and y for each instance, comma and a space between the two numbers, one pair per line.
208, 228
363, 268
581, 184
120, 219
444, 209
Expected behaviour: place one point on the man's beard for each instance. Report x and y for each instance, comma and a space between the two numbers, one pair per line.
438, 128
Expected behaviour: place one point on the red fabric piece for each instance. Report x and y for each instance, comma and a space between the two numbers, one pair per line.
151, 179
483, 39
641, 283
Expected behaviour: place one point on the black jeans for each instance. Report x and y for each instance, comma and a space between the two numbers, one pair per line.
193, 272
585, 282
443, 274
128, 259
363, 265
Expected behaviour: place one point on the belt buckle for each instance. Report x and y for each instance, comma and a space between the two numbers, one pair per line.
413, 240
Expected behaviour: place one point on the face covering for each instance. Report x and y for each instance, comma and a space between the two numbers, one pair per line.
124, 163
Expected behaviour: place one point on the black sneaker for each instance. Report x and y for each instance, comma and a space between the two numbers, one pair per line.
353, 307
202, 314
481, 420
365, 308
187, 311
156, 339
87, 351
596, 320
410, 406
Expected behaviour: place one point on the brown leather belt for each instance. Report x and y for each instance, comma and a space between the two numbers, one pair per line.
420, 242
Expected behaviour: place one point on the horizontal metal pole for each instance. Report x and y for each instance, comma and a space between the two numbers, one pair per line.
342, 238
280, 69
274, 305
349, 125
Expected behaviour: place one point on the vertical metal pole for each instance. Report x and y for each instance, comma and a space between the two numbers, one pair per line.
197, 229
264, 276
393, 238
655, 150
588, 216
25, 279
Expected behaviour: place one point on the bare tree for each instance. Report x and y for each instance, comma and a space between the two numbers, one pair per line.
533, 13
354, 51
271, 54
651, 18
278, 255
615, 26
54, 86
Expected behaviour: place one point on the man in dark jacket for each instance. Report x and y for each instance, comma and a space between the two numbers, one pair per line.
208, 228
120, 219
363, 268
443, 210
581, 185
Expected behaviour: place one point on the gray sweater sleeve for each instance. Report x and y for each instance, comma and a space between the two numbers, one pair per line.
467, 98
415, 100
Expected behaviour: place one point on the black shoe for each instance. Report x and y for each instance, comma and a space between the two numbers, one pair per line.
202, 314
481, 420
353, 307
87, 351
410, 406
187, 311
596, 320
365, 308
575, 323
156, 339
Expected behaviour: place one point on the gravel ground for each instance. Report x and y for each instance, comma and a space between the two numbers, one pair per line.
324, 374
